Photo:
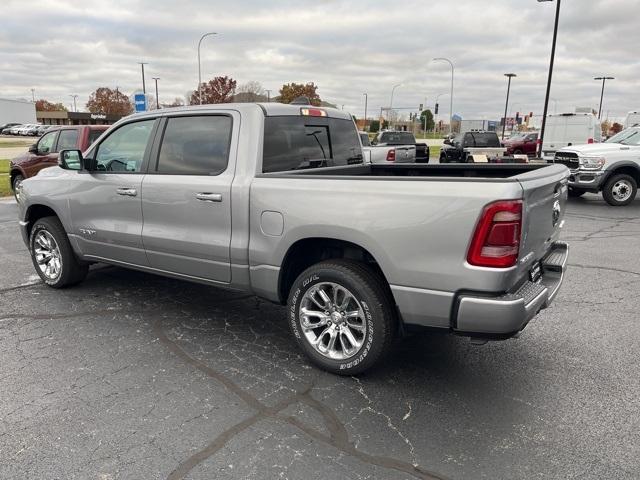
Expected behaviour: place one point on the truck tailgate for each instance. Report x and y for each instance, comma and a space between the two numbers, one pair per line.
544, 200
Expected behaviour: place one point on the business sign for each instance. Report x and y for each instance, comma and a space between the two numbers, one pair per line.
98, 116
140, 101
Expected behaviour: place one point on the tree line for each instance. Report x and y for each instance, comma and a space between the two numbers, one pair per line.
217, 90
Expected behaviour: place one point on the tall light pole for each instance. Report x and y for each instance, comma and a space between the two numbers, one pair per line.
506, 106
391, 103
199, 66
553, 56
604, 79
157, 99
443, 59
366, 100
268, 96
74, 102
144, 87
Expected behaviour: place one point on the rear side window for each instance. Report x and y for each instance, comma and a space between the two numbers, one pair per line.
196, 145
94, 135
295, 143
67, 139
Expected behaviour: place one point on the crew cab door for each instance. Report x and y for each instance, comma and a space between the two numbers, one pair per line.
186, 197
105, 204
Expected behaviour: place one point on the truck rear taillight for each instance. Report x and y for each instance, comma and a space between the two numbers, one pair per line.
496, 240
590, 140
391, 155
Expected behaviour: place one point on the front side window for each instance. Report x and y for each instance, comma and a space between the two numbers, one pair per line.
67, 139
45, 145
123, 150
196, 145
301, 142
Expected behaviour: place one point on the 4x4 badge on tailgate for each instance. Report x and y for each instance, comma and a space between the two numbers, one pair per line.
556, 212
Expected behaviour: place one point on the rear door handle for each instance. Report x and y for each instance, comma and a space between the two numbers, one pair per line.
209, 197
130, 192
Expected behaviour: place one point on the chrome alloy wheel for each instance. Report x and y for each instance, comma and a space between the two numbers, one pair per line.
47, 255
332, 321
622, 190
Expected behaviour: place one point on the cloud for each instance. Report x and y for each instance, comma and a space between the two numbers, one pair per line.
346, 47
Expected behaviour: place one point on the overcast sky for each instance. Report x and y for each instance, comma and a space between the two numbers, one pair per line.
346, 47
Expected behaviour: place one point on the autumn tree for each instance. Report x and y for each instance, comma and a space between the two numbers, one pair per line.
616, 128
110, 102
290, 91
43, 105
216, 90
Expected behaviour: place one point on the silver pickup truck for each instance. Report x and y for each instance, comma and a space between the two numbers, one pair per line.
276, 200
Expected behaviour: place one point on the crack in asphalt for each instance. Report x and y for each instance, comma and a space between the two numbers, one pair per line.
338, 436
610, 269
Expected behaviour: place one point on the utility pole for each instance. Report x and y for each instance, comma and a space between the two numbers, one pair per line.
157, 99
74, 102
268, 96
366, 100
144, 88
506, 106
553, 56
604, 79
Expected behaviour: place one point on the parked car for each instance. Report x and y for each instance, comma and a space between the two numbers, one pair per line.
275, 200
567, 129
465, 145
5, 127
522, 144
44, 153
14, 130
32, 130
43, 128
23, 129
612, 167
390, 146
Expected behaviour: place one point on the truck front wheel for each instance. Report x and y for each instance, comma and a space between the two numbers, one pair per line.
342, 316
620, 190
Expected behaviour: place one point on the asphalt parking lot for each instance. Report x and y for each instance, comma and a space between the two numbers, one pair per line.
134, 376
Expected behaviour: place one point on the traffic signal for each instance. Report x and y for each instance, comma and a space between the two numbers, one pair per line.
421, 106
436, 109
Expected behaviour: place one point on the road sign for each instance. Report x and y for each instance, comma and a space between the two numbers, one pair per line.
140, 100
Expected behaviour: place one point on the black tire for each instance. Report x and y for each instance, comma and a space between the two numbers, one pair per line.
71, 270
616, 186
443, 158
369, 294
576, 193
518, 152
17, 180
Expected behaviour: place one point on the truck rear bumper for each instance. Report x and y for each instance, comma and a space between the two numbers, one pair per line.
507, 314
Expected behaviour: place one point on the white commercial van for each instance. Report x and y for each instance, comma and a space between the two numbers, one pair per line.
567, 129
633, 119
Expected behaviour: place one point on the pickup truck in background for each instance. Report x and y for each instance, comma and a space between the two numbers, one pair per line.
275, 200
397, 147
612, 167
463, 147
44, 153
522, 144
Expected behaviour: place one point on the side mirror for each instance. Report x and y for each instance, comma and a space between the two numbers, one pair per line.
70, 159
33, 148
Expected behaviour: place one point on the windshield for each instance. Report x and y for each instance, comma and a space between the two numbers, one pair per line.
630, 136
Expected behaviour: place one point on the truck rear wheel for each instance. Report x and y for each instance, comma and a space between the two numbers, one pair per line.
620, 190
342, 316
52, 255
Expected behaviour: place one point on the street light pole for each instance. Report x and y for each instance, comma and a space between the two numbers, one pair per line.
200, 67
604, 79
144, 88
157, 99
366, 100
506, 106
553, 56
74, 102
442, 59
391, 103
268, 96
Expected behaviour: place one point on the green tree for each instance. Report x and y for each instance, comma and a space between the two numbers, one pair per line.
430, 122
374, 125
290, 91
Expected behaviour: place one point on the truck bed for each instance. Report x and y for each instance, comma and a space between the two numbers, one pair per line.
492, 172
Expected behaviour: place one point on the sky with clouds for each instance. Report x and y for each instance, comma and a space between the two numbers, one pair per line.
346, 47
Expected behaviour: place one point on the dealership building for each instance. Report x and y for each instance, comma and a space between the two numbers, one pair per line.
76, 118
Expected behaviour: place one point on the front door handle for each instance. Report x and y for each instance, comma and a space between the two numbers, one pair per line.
129, 192
209, 197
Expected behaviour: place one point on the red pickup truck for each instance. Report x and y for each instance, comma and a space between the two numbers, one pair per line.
44, 153
522, 144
